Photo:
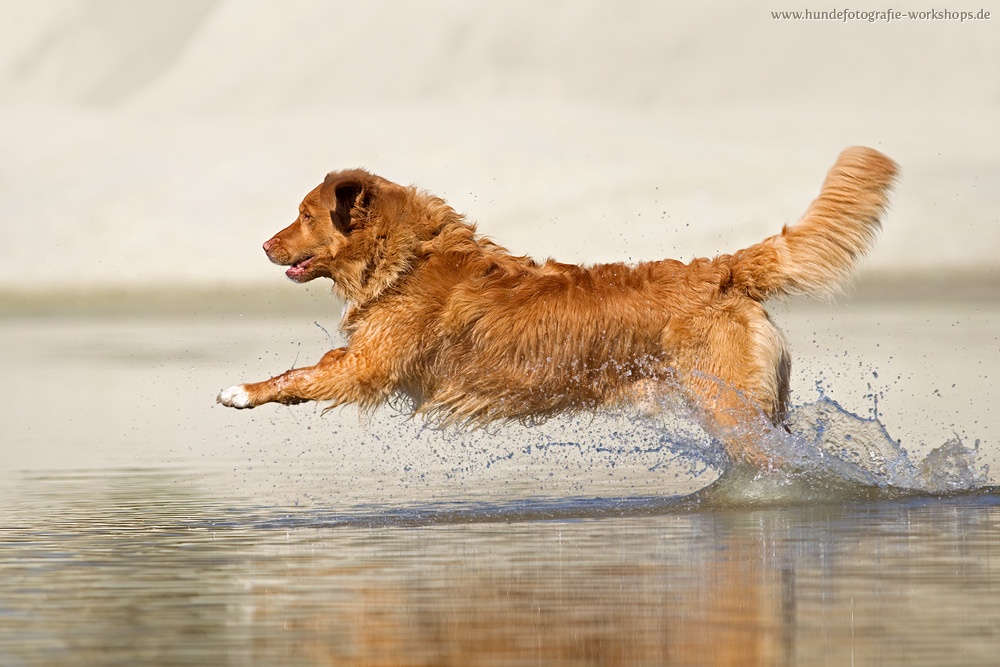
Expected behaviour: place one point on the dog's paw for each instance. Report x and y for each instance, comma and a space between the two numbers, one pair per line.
235, 397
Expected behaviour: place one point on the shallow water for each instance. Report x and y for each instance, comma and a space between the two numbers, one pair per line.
142, 524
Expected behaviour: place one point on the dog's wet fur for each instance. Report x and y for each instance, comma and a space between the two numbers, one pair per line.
471, 334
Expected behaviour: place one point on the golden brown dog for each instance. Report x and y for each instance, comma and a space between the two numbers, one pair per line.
471, 334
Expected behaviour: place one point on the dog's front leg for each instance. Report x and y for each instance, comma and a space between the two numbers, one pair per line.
341, 376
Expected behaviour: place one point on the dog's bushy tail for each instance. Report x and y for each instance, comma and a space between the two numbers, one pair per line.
815, 255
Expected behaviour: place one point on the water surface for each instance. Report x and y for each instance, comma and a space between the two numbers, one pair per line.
142, 524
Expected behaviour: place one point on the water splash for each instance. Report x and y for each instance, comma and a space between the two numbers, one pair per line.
863, 451
832, 454
828, 454
631, 462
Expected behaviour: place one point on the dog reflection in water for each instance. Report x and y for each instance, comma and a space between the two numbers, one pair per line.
471, 334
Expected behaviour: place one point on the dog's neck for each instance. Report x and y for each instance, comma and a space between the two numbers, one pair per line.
432, 228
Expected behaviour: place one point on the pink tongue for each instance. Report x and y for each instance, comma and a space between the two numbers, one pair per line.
298, 268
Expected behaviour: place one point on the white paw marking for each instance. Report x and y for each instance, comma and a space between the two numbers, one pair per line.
235, 397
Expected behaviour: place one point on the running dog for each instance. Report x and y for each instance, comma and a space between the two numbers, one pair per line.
471, 334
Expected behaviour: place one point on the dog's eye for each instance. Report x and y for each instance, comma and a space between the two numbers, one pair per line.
306, 217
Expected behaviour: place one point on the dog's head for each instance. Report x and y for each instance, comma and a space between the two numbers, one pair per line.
327, 217
356, 228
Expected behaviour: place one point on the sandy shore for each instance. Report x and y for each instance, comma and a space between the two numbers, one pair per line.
160, 144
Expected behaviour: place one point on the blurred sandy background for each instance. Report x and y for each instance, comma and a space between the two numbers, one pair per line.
158, 144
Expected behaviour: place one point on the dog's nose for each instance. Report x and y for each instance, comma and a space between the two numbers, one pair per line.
268, 244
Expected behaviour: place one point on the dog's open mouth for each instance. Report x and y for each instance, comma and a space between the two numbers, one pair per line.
299, 269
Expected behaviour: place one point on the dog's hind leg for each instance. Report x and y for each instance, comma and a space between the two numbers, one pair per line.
737, 378
735, 420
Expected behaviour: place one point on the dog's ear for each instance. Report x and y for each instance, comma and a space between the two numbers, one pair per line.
346, 194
